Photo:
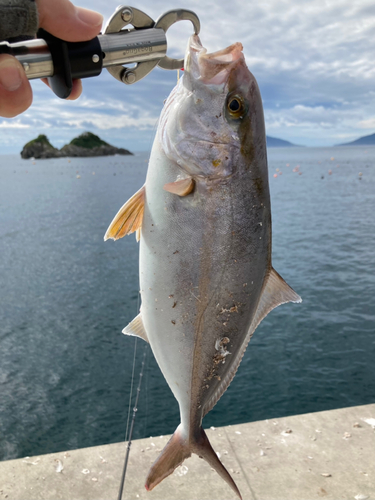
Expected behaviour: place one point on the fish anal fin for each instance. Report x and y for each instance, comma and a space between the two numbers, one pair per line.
275, 292
177, 450
136, 328
181, 187
129, 218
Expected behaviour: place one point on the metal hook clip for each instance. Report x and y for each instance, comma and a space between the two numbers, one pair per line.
165, 22
146, 43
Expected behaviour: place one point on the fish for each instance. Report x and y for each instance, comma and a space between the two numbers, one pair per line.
203, 219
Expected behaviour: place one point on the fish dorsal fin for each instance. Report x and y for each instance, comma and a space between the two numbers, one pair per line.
181, 187
129, 218
136, 328
275, 292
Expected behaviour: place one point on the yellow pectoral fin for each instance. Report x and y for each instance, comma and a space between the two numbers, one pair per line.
182, 187
129, 218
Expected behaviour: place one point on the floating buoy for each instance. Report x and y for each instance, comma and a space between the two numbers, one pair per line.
287, 165
329, 172
275, 175
78, 176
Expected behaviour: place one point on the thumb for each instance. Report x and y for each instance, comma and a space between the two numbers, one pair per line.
72, 24
15, 90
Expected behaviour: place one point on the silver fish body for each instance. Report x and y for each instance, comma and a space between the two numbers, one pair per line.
206, 276
203, 262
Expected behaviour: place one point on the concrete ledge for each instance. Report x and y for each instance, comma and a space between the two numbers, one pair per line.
328, 455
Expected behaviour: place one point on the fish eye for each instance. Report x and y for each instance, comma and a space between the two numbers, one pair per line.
235, 106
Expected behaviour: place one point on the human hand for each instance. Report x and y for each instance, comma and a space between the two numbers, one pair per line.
63, 20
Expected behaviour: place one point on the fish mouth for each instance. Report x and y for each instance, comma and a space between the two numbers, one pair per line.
211, 68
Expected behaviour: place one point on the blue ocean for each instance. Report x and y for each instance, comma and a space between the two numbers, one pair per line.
65, 296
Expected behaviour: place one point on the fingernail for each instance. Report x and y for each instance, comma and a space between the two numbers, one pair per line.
90, 17
10, 75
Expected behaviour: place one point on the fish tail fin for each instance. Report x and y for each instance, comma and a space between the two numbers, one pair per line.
173, 454
203, 448
177, 450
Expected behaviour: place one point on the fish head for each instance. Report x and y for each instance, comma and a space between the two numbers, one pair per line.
212, 124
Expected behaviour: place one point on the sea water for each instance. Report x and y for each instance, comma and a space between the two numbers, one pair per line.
65, 295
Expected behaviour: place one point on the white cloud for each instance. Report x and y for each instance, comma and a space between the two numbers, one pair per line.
109, 122
367, 123
13, 124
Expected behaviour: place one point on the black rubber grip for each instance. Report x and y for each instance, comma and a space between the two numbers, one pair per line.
71, 60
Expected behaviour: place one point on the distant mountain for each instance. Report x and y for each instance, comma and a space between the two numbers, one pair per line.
367, 140
273, 142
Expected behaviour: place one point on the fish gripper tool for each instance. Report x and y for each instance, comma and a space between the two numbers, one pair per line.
130, 37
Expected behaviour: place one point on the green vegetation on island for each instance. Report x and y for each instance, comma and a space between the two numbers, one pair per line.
86, 144
41, 139
88, 140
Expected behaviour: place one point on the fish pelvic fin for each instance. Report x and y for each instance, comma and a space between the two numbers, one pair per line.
178, 449
181, 187
136, 328
129, 218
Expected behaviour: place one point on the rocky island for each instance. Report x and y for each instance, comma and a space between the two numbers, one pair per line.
87, 144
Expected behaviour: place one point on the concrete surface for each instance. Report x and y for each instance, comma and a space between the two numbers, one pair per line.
329, 455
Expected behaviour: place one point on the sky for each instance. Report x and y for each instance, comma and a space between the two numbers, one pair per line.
314, 61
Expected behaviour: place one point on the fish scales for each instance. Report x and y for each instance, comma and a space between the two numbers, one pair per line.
206, 276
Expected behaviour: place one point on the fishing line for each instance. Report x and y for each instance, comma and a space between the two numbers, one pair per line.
132, 426
131, 388
132, 379
128, 437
